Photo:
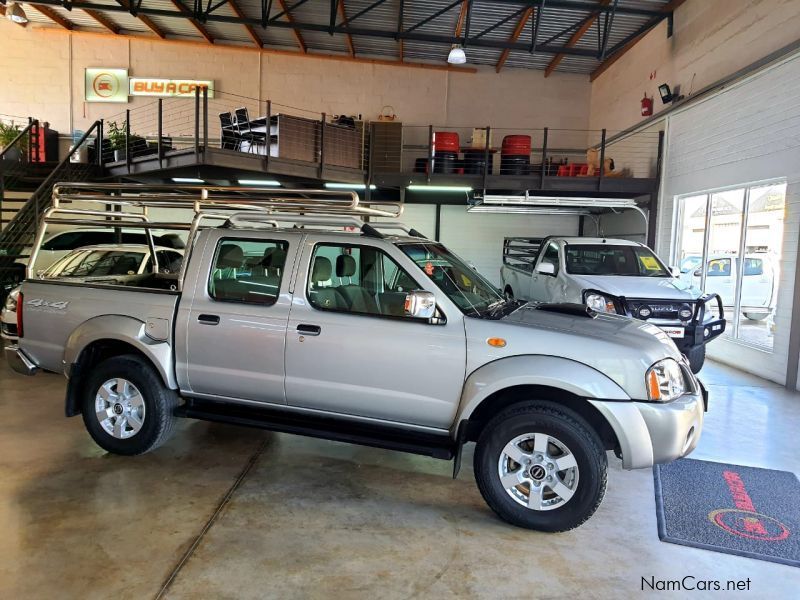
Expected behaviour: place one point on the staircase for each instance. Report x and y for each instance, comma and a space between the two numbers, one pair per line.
20, 218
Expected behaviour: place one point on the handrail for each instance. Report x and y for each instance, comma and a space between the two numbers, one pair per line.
31, 124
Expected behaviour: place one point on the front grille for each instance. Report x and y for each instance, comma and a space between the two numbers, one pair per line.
659, 309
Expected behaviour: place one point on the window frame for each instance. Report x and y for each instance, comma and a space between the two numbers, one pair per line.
312, 256
220, 241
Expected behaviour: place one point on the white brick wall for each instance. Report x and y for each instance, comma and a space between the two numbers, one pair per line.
746, 134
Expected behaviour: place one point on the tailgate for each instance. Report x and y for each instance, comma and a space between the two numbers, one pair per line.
53, 311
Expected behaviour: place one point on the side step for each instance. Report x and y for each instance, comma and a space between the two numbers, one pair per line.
340, 430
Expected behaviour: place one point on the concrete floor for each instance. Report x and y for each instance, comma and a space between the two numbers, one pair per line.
222, 512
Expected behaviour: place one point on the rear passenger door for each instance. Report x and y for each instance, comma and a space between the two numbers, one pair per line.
350, 348
236, 320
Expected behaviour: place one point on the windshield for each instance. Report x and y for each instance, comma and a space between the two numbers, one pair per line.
97, 263
605, 259
462, 284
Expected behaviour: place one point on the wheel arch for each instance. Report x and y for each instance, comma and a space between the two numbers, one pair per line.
499, 384
104, 337
506, 397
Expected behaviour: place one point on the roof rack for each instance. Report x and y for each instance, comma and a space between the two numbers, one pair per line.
201, 197
126, 205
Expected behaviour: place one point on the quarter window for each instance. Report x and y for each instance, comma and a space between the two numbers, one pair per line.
248, 271
358, 279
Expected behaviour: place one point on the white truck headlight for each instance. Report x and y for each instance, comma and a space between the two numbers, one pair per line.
665, 381
600, 303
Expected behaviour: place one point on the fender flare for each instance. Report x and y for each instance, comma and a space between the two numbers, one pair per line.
614, 404
123, 329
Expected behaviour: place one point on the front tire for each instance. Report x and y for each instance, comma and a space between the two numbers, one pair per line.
126, 407
540, 466
697, 357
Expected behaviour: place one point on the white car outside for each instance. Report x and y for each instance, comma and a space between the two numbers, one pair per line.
759, 279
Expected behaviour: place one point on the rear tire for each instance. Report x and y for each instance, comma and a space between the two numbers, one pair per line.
535, 492
756, 316
126, 407
697, 357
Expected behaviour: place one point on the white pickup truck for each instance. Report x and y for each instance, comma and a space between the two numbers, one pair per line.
614, 276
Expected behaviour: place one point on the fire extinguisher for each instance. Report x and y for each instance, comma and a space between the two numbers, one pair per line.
647, 106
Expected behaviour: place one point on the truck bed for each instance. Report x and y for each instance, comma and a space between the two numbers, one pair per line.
54, 311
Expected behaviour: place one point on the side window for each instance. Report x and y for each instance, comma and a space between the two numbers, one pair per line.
753, 266
551, 256
248, 271
719, 267
358, 279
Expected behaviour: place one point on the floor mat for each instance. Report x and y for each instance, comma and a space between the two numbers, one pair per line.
729, 508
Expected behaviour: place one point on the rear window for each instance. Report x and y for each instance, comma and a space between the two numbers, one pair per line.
248, 271
71, 240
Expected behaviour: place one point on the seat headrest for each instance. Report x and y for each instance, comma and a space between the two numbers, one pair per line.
345, 266
231, 256
276, 259
322, 270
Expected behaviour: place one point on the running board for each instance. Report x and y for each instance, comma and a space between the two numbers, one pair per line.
328, 428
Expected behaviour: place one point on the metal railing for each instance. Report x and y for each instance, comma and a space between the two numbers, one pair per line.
272, 130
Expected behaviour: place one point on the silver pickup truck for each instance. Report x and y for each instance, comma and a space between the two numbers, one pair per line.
369, 338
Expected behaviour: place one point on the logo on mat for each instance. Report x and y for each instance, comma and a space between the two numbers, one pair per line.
743, 520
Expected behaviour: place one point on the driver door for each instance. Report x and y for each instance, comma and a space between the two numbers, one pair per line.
351, 350
544, 286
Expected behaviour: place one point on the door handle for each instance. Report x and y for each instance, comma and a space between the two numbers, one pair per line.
304, 329
208, 319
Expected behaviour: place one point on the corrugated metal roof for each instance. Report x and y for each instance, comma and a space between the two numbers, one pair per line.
556, 25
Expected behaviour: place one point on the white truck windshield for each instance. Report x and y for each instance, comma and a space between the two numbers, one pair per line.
605, 259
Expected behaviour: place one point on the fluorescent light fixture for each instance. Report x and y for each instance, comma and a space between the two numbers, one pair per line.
525, 210
187, 180
579, 202
349, 186
439, 188
457, 55
16, 14
264, 182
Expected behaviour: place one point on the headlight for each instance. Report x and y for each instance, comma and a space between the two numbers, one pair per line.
600, 303
665, 381
11, 301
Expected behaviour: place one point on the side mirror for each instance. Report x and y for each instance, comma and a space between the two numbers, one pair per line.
420, 304
40, 273
546, 268
698, 272
676, 271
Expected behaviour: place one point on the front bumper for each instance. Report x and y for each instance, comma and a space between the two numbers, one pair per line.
19, 361
674, 427
655, 432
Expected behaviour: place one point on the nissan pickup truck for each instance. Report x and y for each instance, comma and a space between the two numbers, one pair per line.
370, 338
614, 276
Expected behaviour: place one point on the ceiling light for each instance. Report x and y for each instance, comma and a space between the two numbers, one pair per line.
187, 180
264, 182
439, 188
349, 186
456, 56
16, 14
526, 210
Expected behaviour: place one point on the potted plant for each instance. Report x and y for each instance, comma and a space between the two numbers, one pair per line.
9, 132
116, 136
